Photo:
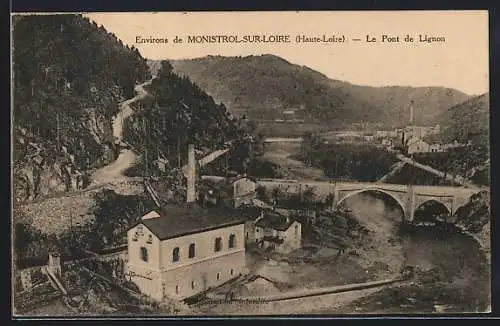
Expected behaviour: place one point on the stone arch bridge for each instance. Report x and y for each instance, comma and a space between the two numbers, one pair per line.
409, 197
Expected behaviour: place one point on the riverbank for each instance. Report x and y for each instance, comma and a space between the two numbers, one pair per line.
451, 275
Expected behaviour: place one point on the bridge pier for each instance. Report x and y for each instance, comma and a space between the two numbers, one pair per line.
409, 210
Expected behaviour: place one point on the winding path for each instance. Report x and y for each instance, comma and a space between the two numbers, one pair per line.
114, 171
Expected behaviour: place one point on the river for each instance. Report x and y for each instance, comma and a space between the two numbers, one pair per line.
452, 274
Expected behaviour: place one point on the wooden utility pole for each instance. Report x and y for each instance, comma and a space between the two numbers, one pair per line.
178, 151
227, 164
145, 171
58, 135
146, 162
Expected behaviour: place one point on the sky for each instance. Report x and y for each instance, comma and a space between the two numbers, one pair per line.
461, 62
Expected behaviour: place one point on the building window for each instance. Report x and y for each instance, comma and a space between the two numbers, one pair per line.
218, 244
175, 254
144, 254
232, 271
150, 239
192, 285
246, 236
218, 276
232, 241
191, 250
176, 289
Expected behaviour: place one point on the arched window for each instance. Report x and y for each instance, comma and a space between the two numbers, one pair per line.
150, 239
232, 241
218, 276
218, 244
175, 254
191, 250
232, 271
192, 285
176, 289
144, 254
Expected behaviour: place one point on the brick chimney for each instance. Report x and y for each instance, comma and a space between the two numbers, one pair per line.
191, 175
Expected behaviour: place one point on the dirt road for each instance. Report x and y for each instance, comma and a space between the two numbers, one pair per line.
114, 171
126, 158
458, 179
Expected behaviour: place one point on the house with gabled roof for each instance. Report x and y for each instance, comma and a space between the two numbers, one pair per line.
278, 232
178, 251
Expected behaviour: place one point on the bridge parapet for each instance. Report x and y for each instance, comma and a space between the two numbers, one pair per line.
409, 197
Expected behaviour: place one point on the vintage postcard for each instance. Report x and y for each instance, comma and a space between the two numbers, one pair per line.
250, 163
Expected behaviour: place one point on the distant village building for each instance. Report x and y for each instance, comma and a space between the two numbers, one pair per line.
387, 142
417, 145
278, 232
434, 148
242, 190
369, 138
385, 133
421, 131
289, 115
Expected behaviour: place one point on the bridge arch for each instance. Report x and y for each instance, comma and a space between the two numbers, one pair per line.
357, 192
436, 203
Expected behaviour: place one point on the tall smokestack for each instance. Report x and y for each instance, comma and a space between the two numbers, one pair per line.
191, 175
411, 112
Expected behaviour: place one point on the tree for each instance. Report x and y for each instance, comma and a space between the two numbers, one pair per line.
329, 200
276, 195
310, 142
308, 197
261, 193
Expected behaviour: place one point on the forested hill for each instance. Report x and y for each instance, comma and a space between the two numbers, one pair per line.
180, 113
263, 86
469, 121
69, 76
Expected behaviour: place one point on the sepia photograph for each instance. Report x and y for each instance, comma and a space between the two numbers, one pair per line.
211, 164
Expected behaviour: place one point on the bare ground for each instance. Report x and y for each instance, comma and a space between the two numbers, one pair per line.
279, 153
54, 215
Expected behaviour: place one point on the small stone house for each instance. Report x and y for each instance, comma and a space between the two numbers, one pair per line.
417, 145
239, 190
277, 232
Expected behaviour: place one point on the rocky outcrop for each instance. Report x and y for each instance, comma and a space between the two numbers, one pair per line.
40, 170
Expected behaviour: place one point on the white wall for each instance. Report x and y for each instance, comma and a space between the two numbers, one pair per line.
160, 276
134, 248
204, 246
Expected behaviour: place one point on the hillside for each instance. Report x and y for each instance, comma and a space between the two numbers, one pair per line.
469, 121
179, 113
263, 86
69, 76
